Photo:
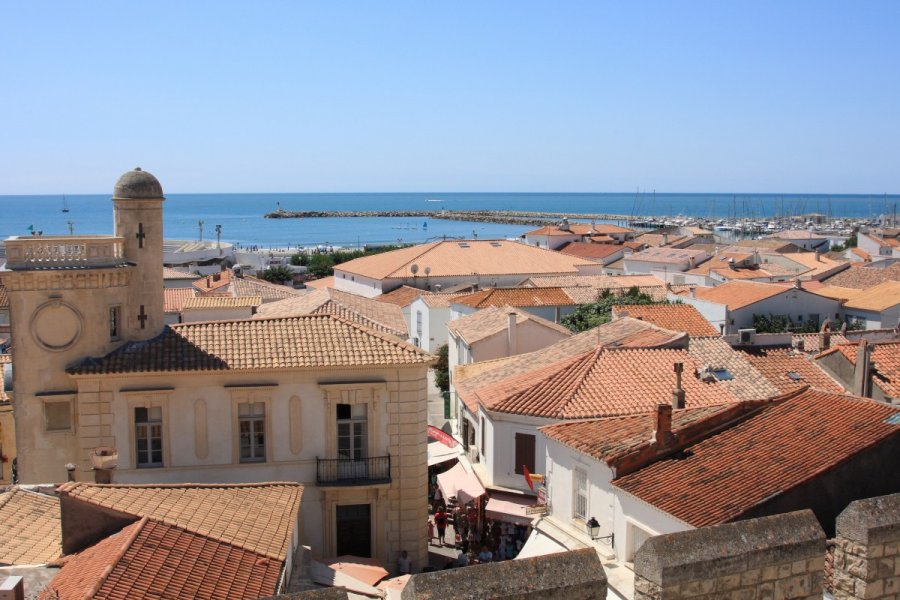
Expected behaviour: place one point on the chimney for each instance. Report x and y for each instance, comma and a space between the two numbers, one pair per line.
564, 226
861, 370
797, 284
13, 588
693, 291
818, 255
665, 239
663, 434
678, 393
70, 471
511, 332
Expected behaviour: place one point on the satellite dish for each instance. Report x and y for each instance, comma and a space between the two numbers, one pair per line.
427, 271
414, 268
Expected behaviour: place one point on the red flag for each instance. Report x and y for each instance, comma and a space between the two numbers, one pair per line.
527, 477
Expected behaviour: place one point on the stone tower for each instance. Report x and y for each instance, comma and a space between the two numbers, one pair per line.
137, 205
72, 297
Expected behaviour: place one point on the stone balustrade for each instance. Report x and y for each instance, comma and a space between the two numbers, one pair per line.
64, 252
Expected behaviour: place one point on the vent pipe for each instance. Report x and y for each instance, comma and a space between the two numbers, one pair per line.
678, 392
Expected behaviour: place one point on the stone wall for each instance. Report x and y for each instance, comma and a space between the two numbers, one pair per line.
781, 556
867, 550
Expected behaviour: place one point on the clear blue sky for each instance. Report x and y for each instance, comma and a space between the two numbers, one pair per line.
716, 96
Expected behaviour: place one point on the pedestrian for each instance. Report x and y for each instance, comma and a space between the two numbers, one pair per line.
485, 556
462, 559
438, 498
430, 530
404, 565
440, 521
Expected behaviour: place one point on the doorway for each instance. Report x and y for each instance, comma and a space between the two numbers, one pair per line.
354, 530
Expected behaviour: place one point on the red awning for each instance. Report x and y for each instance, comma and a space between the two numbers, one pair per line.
460, 483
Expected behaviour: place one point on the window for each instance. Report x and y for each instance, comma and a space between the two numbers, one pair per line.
148, 436
114, 321
579, 496
524, 453
58, 416
352, 431
252, 431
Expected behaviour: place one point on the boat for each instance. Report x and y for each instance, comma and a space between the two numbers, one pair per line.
65, 207
433, 200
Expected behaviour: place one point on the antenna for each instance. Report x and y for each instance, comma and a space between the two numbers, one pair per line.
414, 268
427, 271
71, 225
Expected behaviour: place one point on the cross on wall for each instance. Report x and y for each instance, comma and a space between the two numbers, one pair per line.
140, 235
142, 317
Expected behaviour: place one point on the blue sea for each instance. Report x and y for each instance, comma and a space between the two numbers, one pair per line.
241, 215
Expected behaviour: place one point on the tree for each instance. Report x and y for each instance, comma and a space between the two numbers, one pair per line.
320, 265
277, 274
300, 259
588, 316
781, 324
442, 369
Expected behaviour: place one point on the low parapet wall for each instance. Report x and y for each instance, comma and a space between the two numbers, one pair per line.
867, 550
771, 557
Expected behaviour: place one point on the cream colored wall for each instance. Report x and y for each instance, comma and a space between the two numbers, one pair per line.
204, 450
78, 303
147, 281
529, 337
7, 442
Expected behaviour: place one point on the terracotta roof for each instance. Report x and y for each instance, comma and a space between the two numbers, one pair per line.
790, 370
860, 277
173, 298
205, 302
289, 343
535, 297
270, 292
738, 294
318, 284
599, 282
776, 449
861, 253
608, 228
465, 258
668, 255
259, 517
877, 298
834, 292
814, 342
885, 359
796, 234
170, 273
614, 438
442, 300
150, 559
812, 265
656, 239
602, 382
4, 297
746, 382
555, 231
624, 332
29, 528
675, 317
768, 244
369, 312
215, 282
489, 321
402, 296
590, 251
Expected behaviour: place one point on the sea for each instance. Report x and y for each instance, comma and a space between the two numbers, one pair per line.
241, 221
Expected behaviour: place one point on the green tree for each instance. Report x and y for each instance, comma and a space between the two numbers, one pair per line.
277, 274
442, 369
300, 259
782, 323
588, 316
320, 265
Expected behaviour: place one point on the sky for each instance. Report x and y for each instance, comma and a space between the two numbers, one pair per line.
698, 96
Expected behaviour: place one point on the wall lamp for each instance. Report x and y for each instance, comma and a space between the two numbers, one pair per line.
594, 530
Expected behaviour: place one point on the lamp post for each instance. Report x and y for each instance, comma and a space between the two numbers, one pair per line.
593, 527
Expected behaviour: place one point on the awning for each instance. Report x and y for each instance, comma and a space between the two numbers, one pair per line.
539, 544
510, 508
438, 453
460, 483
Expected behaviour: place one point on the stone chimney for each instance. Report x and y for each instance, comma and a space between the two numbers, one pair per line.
693, 291
861, 371
678, 392
665, 239
511, 332
797, 284
663, 433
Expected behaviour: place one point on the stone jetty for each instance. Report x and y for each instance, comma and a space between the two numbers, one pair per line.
509, 217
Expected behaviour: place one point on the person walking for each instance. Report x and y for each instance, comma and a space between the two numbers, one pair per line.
430, 531
440, 521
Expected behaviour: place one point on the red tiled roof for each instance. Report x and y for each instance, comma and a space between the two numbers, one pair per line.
556, 231
259, 517
776, 449
860, 278
603, 382
29, 527
402, 296
676, 317
590, 251
494, 319
174, 298
790, 370
214, 282
885, 360
738, 294
542, 296
318, 284
150, 559
287, 343
270, 292
624, 333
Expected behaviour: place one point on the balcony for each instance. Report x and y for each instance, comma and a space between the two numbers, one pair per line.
64, 252
346, 472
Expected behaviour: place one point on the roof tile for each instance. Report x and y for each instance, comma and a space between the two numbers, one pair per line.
676, 317
29, 528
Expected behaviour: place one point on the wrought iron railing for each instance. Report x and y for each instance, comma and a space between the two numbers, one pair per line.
342, 471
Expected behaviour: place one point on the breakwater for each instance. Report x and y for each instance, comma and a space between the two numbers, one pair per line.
507, 217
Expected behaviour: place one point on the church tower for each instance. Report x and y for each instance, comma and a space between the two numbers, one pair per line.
137, 205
